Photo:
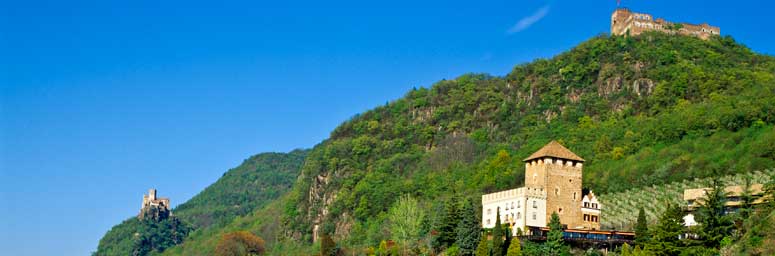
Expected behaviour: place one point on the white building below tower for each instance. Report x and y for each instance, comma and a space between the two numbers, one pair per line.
520, 208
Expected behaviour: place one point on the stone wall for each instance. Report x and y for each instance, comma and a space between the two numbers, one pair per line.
562, 181
624, 21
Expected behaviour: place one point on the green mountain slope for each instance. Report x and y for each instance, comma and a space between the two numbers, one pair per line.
642, 110
256, 182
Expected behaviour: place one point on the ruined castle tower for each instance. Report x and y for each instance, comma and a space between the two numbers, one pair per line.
558, 171
154, 208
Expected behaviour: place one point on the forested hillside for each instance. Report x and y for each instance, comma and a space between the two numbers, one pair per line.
259, 180
641, 110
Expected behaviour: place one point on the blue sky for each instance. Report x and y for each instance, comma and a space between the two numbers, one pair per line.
101, 100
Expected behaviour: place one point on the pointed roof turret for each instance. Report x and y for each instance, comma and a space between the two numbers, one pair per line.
554, 149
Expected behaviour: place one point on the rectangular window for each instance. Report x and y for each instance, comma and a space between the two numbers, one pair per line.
535, 204
534, 216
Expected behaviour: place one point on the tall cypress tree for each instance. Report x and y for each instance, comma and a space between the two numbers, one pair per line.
641, 228
497, 235
468, 229
507, 242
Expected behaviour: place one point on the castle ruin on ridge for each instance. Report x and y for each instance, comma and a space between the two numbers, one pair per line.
153, 207
624, 22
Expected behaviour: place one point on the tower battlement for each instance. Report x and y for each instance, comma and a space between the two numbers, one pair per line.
624, 21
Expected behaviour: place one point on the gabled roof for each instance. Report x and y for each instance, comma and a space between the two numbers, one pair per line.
554, 149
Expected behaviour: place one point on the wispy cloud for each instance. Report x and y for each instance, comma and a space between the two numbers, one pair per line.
528, 21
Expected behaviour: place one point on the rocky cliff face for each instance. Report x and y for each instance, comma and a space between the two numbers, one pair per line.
154, 212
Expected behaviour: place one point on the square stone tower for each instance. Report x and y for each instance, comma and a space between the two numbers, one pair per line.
558, 171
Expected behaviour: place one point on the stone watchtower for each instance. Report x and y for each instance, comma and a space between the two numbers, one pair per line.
558, 171
153, 207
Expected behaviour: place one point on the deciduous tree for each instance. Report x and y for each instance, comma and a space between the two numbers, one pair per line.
240, 243
405, 219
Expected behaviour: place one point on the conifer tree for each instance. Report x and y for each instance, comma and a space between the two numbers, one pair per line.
714, 223
641, 228
626, 251
515, 249
497, 235
483, 249
554, 242
447, 227
507, 242
746, 198
468, 229
664, 237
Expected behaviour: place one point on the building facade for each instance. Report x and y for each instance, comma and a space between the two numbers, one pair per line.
695, 196
520, 207
553, 183
590, 210
624, 21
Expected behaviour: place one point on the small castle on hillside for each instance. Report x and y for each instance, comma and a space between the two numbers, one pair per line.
624, 21
154, 208
553, 183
